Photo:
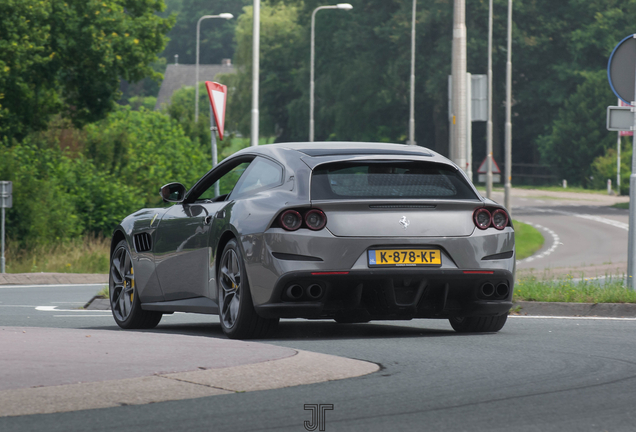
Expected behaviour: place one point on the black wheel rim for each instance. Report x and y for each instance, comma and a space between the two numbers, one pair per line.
123, 284
230, 292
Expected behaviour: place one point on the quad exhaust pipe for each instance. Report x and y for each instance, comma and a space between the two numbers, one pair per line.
488, 290
297, 292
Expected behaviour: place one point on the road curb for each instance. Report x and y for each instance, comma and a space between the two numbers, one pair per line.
609, 310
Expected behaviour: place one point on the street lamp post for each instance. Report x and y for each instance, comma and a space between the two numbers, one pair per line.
489, 126
344, 6
508, 149
412, 103
196, 81
256, 50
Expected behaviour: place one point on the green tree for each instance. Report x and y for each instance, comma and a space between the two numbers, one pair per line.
579, 135
69, 55
217, 35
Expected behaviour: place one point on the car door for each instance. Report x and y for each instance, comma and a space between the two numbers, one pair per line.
182, 251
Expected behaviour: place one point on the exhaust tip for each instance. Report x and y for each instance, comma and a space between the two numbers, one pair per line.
487, 289
502, 290
314, 291
294, 292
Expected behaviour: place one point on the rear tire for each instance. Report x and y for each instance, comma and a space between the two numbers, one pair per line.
478, 324
124, 299
238, 317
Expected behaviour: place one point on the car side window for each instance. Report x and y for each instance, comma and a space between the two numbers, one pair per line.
224, 185
262, 174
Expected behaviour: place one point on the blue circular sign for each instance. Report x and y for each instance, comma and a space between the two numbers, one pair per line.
621, 69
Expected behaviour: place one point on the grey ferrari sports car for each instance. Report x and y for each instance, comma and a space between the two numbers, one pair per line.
347, 231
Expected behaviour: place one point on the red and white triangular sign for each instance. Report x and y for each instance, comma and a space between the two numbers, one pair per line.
218, 95
482, 167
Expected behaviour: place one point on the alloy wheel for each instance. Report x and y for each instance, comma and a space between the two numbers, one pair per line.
122, 292
230, 293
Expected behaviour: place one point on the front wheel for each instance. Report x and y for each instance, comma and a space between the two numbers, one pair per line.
478, 324
124, 301
238, 317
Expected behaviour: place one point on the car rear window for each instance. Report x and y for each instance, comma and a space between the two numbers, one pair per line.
388, 180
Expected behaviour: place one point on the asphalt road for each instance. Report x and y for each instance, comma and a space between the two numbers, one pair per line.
584, 237
535, 375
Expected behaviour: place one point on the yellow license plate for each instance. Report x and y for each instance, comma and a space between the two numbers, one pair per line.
405, 257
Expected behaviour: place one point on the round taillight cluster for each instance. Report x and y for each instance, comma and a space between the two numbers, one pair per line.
484, 219
291, 220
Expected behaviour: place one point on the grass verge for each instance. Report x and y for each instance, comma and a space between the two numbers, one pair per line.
528, 239
624, 205
84, 255
568, 290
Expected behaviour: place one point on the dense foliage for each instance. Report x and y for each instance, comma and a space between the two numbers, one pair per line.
105, 172
67, 56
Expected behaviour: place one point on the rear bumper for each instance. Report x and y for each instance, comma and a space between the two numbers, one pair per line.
385, 294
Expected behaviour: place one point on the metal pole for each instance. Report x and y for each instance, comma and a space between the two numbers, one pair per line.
458, 149
631, 239
469, 126
196, 73
311, 77
489, 125
215, 159
508, 143
256, 38
618, 164
3, 261
412, 104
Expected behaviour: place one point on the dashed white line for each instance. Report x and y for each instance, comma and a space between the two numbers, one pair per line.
573, 318
556, 241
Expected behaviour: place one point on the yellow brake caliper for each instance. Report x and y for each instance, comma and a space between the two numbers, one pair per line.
132, 284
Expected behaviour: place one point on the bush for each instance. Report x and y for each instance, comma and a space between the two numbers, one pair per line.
604, 167
145, 150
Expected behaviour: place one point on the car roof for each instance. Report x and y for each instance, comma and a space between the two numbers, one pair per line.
314, 153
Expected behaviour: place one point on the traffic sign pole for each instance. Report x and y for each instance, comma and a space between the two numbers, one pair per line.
621, 73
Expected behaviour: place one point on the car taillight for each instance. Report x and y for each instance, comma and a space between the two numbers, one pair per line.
499, 219
290, 220
482, 218
315, 219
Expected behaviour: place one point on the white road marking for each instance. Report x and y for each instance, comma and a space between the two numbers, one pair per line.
81, 316
52, 286
599, 219
556, 241
55, 309
573, 318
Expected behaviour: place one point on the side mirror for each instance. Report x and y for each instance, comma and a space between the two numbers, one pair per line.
173, 192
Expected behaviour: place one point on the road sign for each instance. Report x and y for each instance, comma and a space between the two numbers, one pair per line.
6, 197
620, 118
621, 69
482, 171
478, 97
218, 95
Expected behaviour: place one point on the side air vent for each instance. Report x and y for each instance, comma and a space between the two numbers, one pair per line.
143, 242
